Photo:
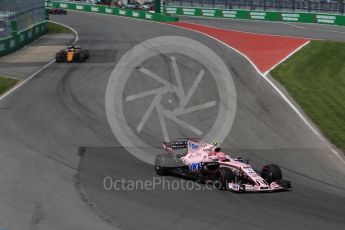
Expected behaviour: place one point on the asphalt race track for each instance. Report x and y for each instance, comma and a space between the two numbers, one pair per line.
63, 108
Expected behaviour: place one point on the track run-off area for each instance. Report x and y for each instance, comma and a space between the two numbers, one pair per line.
47, 185
265, 51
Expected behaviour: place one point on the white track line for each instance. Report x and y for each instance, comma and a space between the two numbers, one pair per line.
338, 155
268, 80
25, 81
316, 29
284, 97
284, 59
76, 39
7, 93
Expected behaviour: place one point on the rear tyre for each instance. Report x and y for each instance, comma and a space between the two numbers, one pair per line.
163, 164
59, 57
271, 173
222, 177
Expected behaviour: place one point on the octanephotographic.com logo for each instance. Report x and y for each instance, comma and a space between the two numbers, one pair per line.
166, 87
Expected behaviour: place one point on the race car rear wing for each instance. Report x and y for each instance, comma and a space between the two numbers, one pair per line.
179, 144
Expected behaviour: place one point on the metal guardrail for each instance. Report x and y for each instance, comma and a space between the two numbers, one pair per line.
25, 13
21, 21
139, 14
317, 6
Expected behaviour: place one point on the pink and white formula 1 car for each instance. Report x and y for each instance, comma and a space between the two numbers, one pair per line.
57, 11
206, 162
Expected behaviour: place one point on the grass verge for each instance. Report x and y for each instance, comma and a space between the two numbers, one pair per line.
6, 83
53, 28
315, 78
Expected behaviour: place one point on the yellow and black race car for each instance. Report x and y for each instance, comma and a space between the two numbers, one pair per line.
72, 54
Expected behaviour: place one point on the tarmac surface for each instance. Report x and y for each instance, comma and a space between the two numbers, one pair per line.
63, 108
34, 55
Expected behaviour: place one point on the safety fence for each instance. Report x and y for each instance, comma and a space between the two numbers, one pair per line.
139, 14
318, 6
25, 12
332, 19
285, 16
21, 22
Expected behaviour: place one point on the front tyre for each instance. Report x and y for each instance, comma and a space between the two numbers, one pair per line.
271, 173
223, 177
82, 57
163, 164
